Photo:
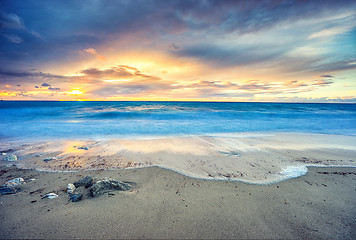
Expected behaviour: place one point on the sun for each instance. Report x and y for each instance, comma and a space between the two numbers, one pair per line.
76, 91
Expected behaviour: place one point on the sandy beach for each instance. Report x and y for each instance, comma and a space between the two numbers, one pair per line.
295, 186
177, 119
164, 204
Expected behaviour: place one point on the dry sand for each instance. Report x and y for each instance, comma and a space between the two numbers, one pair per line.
165, 204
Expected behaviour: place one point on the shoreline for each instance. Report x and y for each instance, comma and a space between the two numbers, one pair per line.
164, 204
189, 176
248, 157
141, 137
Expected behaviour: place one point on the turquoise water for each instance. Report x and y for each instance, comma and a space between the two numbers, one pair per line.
30, 120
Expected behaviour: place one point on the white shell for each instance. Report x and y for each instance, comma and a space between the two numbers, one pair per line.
70, 188
51, 195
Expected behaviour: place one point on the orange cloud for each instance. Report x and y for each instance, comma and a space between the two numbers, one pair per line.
93, 52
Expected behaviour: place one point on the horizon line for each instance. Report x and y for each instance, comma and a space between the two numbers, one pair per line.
174, 101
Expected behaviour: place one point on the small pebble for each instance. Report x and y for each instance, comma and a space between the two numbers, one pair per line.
49, 159
85, 148
76, 197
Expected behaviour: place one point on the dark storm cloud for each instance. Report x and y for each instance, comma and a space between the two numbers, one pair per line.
55, 29
9, 77
49, 87
327, 76
54, 89
22, 74
227, 55
123, 16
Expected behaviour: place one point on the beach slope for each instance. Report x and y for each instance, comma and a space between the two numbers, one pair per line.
164, 204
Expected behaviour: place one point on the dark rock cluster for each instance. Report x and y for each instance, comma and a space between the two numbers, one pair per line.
107, 185
12, 186
86, 182
96, 187
8, 190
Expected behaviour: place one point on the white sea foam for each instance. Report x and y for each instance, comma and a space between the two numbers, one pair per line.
257, 160
294, 171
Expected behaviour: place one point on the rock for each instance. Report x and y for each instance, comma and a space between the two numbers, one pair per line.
75, 197
49, 159
85, 148
105, 185
15, 182
50, 195
8, 190
10, 158
86, 182
70, 188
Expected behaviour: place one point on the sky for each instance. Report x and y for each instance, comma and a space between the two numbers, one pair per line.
188, 50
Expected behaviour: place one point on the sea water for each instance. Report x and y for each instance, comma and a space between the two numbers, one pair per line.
47, 120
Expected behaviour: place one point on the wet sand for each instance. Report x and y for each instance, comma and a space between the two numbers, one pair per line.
251, 158
164, 204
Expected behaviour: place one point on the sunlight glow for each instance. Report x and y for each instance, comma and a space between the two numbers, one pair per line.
75, 91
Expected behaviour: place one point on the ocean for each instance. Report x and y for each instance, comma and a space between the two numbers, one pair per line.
47, 120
